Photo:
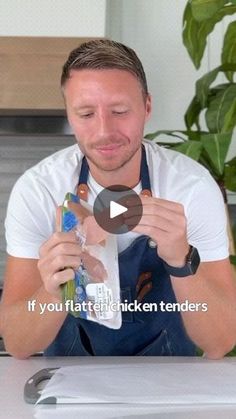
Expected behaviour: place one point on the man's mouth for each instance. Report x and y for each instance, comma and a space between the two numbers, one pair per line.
107, 148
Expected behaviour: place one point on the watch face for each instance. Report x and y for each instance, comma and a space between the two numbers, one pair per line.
193, 260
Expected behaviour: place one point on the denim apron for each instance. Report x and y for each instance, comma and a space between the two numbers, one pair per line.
142, 332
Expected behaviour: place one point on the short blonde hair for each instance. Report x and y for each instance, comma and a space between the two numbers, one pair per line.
105, 54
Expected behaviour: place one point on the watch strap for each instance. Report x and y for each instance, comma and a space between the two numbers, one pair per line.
190, 267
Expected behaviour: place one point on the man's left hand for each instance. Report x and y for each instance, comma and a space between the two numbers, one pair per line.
164, 222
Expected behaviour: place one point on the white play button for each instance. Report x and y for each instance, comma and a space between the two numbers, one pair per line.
111, 203
116, 209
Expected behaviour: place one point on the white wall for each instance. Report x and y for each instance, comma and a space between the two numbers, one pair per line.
153, 28
52, 17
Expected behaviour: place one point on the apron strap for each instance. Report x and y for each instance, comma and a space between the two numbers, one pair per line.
145, 179
82, 189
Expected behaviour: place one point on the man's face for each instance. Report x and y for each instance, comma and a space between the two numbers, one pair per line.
107, 112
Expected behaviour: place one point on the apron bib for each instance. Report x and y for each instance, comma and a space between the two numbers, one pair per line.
147, 333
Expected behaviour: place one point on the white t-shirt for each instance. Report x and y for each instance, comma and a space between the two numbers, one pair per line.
30, 216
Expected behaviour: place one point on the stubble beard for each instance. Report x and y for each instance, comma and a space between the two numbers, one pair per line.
110, 165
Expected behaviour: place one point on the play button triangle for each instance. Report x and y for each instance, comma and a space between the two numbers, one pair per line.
116, 209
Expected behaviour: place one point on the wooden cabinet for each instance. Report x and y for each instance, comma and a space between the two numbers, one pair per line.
30, 70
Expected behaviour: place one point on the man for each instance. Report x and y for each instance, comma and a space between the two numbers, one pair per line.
108, 103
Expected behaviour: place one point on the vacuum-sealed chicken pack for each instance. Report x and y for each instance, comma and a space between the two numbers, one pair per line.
94, 293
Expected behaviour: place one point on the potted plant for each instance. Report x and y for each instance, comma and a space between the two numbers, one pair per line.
213, 105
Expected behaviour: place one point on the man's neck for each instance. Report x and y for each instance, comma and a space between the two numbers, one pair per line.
127, 175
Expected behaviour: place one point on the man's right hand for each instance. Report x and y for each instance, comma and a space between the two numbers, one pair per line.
59, 256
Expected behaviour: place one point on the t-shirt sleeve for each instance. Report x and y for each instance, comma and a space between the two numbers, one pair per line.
30, 218
207, 221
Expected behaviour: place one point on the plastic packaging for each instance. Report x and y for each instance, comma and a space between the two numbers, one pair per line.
94, 293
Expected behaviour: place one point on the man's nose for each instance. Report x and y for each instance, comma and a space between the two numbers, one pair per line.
105, 125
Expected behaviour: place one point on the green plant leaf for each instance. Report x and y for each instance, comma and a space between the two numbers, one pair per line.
196, 135
216, 147
221, 112
205, 9
203, 84
195, 33
228, 9
205, 161
195, 108
232, 259
192, 114
171, 133
230, 175
190, 36
229, 48
190, 148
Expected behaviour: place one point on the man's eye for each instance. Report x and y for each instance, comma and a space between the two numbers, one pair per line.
86, 115
119, 112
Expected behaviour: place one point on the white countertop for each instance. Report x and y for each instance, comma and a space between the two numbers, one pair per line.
14, 373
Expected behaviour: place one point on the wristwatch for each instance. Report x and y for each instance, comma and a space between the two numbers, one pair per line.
191, 264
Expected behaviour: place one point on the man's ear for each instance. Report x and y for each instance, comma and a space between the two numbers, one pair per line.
148, 107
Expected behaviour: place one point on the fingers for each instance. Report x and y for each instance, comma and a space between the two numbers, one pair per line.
58, 218
57, 271
165, 222
161, 204
64, 249
61, 262
164, 215
56, 239
58, 257
149, 220
52, 284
